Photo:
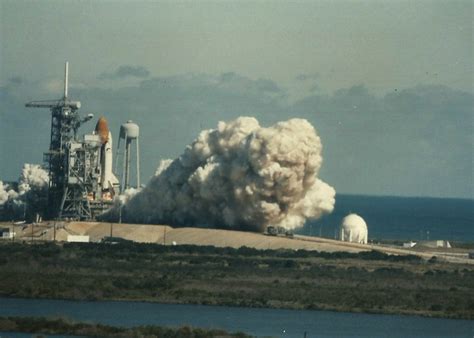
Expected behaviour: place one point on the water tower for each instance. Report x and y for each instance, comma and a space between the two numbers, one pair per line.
129, 132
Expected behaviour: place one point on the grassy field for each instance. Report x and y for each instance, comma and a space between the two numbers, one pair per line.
365, 282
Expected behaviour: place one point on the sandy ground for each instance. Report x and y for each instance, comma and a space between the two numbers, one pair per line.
164, 234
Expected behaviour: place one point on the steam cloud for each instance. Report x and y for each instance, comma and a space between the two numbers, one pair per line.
30, 197
239, 175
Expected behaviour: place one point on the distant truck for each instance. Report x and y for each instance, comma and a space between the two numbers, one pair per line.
278, 231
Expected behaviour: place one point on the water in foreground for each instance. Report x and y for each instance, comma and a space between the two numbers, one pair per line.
258, 322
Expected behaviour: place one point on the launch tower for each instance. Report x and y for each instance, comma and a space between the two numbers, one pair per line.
75, 189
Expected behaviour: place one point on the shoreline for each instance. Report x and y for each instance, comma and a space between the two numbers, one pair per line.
420, 314
62, 325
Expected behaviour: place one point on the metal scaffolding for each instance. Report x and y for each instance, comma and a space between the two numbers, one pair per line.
74, 166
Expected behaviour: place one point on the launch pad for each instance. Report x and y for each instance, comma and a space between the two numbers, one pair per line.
81, 182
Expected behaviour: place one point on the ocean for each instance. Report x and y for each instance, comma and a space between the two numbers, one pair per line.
401, 218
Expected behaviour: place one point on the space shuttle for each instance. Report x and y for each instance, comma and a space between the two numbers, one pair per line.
108, 180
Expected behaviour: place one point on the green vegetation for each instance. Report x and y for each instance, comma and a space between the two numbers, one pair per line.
68, 327
366, 282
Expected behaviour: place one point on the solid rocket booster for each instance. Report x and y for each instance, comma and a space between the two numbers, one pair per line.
108, 179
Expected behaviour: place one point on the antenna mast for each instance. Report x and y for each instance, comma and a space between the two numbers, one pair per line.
66, 76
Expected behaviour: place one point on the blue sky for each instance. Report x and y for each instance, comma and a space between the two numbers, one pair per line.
388, 85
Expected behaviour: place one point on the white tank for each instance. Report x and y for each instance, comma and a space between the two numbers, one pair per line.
129, 130
353, 229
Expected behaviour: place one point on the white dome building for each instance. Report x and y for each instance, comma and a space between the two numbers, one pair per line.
353, 229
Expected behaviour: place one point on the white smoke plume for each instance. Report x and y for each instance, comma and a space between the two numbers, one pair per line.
6, 193
31, 195
33, 178
124, 197
241, 176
